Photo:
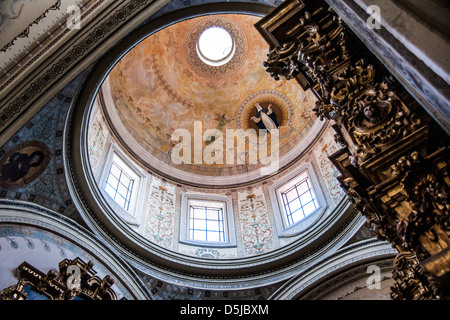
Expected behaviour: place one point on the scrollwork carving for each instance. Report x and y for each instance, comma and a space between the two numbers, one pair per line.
427, 191
378, 118
403, 194
410, 282
350, 89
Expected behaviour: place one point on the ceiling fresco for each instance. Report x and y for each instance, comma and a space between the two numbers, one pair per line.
161, 86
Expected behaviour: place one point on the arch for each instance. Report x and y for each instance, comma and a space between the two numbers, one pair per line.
46, 228
338, 269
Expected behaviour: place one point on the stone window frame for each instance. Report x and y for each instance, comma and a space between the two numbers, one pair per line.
134, 213
283, 227
229, 227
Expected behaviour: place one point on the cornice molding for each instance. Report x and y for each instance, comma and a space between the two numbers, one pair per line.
347, 263
56, 6
68, 57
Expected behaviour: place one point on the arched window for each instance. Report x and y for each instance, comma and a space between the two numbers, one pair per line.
206, 221
120, 182
299, 198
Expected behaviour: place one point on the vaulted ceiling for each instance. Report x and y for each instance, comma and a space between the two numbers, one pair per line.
161, 85
43, 50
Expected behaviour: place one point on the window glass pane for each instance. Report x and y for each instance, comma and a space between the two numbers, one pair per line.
115, 170
123, 186
213, 236
126, 179
291, 195
122, 190
302, 187
120, 200
206, 222
199, 235
313, 194
310, 207
199, 224
316, 203
299, 199
297, 216
119, 184
113, 181
199, 213
213, 225
294, 206
305, 198
110, 190
129, 173
213, 214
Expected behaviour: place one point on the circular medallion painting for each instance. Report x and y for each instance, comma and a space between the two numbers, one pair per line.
23, 164
275, 105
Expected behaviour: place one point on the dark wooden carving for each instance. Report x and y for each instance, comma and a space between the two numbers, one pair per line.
394, 159
410, 282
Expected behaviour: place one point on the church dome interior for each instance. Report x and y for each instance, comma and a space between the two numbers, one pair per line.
195, 150
162, 89
205, 200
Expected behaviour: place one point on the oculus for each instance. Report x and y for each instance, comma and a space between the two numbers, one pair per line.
215, 46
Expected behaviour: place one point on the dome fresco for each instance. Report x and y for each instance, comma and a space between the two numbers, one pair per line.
161, 86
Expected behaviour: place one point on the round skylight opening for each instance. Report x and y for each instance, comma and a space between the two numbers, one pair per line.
215, 46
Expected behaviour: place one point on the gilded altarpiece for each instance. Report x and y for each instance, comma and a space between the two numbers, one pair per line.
393, 159
75, 280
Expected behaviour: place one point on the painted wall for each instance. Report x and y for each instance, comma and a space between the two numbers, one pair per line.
161, 86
